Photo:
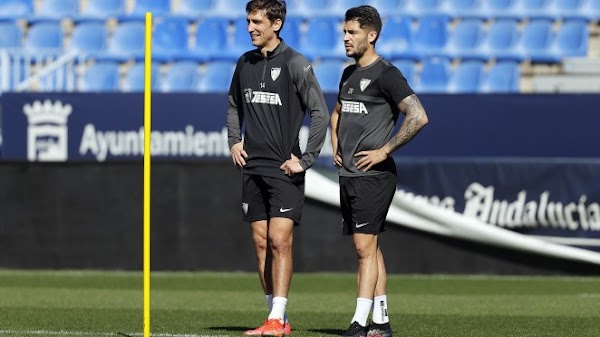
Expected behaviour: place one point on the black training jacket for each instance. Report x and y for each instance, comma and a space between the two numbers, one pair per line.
269, 96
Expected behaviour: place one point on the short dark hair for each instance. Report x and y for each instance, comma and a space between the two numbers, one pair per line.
275, 9
367, 17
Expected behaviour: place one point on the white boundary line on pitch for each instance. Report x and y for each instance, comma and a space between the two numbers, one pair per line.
82, 333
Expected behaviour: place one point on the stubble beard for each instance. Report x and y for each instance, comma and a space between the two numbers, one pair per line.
357, 51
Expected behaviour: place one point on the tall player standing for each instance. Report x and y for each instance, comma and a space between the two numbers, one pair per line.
271, 89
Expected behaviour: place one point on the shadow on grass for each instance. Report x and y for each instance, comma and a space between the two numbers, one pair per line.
332, 332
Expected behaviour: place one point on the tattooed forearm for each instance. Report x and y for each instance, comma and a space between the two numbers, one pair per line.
415, 120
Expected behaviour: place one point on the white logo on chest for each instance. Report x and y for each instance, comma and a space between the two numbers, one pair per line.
275, 73
364, 83
266, 98
354, 107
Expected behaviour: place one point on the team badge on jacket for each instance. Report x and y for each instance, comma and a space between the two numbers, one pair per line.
364, 83
275, 73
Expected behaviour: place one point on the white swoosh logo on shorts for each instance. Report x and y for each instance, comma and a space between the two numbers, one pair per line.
283, 210
359, 225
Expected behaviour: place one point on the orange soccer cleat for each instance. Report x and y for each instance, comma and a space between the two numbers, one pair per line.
272, 327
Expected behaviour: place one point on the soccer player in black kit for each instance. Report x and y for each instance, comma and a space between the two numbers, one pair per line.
372, 94
272, 88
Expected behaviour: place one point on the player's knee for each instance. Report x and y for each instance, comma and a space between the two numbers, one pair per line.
260, 241
281, 242
365, 251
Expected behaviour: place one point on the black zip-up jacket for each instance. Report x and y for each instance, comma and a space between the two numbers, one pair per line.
270, 95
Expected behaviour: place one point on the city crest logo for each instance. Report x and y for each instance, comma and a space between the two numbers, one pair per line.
47, 130
364, 83
275, 73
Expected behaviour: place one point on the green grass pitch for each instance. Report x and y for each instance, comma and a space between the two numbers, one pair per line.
201, 304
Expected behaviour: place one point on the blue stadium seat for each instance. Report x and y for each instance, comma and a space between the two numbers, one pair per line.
157, 7
11, 35
101, 77
467, 77
15, 9
181, 77
536, 41
390, 7
170, 38
312, 8
210, 39
431, 35
396, 38
572, 39
195, 9
329, 74
420, 8
56, 10
127, 42
216, 76
102, 10
502, 77
292, 31
463, 8
230, 8
501, 41
323, 38
434, 76
534, 9
135, 78
44, 37
592, 10
465, 39
90, 38
568, 9
407, 67
238, 43
294, 7
339, 7
498, 9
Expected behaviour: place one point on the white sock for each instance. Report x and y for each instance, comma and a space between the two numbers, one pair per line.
380, 310
278, 310
269, 298
363, 307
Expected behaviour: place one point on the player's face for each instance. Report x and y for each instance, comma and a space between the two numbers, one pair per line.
262, 30
356, 39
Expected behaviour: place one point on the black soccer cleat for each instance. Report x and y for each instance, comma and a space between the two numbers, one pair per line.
379, 330
356, 330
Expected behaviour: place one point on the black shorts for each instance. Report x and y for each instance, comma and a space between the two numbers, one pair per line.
365, 202
264, 198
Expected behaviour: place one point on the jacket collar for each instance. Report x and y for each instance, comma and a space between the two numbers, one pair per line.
278, 50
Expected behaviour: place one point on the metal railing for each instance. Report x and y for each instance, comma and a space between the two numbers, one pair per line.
48, 70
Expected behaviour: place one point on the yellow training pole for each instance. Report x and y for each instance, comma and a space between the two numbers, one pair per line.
147, 129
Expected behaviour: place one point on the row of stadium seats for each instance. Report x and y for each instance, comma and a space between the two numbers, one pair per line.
536, 40
193, 9
439, 75
179, 77
436, 75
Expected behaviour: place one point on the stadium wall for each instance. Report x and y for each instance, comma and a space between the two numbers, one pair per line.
89, 215
71, 182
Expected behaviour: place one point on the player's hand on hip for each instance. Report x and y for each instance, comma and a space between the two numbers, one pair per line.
292, 166
337, 160
368, 159
238, 154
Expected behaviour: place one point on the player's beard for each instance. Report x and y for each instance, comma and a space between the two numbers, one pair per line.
359, 49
